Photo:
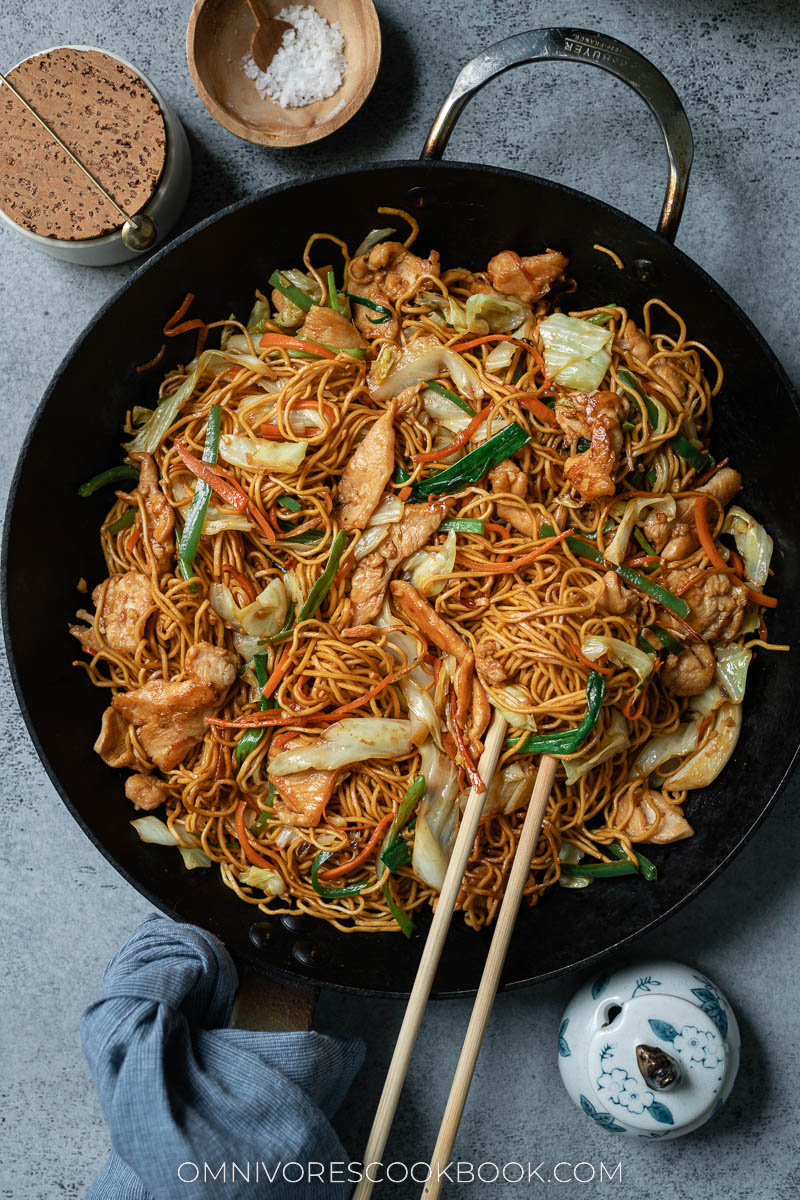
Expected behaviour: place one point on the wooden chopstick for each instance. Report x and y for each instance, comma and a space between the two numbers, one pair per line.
429, 961
491, 974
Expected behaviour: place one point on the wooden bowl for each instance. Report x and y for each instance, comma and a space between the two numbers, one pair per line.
218, 38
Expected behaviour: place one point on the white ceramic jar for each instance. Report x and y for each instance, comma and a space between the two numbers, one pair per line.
650, 1050
163, 208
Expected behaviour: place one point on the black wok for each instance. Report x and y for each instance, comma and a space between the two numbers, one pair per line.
467, 213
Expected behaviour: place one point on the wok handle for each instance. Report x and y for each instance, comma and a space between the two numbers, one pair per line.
595, 49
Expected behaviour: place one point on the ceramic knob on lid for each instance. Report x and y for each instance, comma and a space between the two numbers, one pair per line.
650, 1050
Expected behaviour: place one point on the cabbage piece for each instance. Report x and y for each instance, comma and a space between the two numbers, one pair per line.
406, 643
615, 738
732, 664
576, 352
444, 412
572, 854
194, 857
510, 789
423, 359
154, 831
390, 509
210, 363
351, 740
259, 315
369, 540
753, 543
703, 767
261, 455
455, 316
487, 313
437, 818
422, 712
216, 521
635, 513
373, 237
265, 878
663, 748
291, 314
511, 699
621, 653
422, 566
261, 619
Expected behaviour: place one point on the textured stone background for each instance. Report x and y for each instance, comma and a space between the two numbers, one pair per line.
65, 910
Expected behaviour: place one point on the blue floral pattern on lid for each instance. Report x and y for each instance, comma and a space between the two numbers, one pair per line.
700, 1047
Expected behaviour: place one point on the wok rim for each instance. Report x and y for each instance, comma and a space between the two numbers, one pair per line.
396, 165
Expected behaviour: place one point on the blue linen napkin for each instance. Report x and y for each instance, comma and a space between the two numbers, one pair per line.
184, 1096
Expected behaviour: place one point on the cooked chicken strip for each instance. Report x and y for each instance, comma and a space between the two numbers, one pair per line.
716, 603
595, 417
487, 664
410, 533
613, 597
641, 348
677, 538
331, 328
366, 474
170, 715
124, 601
690, 672
508, 478
304, 795
112, 741
160, 519
383, 275
655, 820
146, 792
527, 278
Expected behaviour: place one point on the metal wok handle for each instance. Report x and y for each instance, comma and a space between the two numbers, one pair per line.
595, 49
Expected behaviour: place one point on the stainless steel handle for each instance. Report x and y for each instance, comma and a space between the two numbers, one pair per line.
582, 46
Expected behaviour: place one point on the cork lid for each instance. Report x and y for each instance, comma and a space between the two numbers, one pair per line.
109, 119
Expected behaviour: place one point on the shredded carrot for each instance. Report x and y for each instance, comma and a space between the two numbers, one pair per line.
231, 493
701, 479
276, 676
174, 325
736, 562
284, 342
241, 832
760, 598
588, 662
180, 312
633, 713
516, 563
704, 533
404, 493
539, 409
219, 770
363, 853
135, 534
153, 361
244, 583
466, 757
644, 560
500, 337
261, 520
458, 441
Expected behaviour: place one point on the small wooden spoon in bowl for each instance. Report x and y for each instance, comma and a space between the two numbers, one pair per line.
267, 35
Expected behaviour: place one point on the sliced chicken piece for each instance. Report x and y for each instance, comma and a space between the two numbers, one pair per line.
508, 478
304, 795
331, 328
641, 348
146, 792
112, 742
410, 533
462, 686
90, 642
170, 714
527, 278
383, 275
690, 672
124, 601
677, 538
366, 474
655, 819
716, 603
160, 519
595, 417
613, 597
487, 664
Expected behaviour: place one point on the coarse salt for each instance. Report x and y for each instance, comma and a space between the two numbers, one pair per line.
308, 65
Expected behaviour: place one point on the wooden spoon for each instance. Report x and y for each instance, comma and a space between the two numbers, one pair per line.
267, 35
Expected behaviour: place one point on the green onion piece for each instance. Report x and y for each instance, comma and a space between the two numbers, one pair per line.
195, 518
601, 318
701, 460
643, 644
379, 308
272, 791
475, 465
396, 855
284, 631
401, 475
323, 585
669, 643
632, 388
462, 525
452, 396
599, 870
646, 867
350, 889
567, 741
251, 737
406, 808
403, 919
112, 475
583, 445
298, 353
290, 503
584, 549
124, 521
642, 540
290, 291
650, 477
333, 298
309, 537
261, 820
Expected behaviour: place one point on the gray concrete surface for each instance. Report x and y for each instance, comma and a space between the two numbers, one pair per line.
734, 63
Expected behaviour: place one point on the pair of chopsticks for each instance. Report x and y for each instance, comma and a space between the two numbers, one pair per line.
430, 961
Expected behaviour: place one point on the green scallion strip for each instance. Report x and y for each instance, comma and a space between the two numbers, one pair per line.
300, 299
323, 585
285, 629
329, 893
251, 737
290, 503
401, 475
452, 396
599, 870
112, 475
396, 855
195, 518
406, 809
642, 540
601, 318
333, 298
407, 926
567, 741
124, 521
309, 537
475, 465
386, 313
665, 637
646, 867
701, 460
632, 388
583, 445
261, 819
462, 525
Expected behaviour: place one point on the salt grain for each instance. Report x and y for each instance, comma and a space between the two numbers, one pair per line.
309, 64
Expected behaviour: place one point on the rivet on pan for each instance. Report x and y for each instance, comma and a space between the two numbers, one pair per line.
295, 924
645, 270
310, 954
420, 197
260, 934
